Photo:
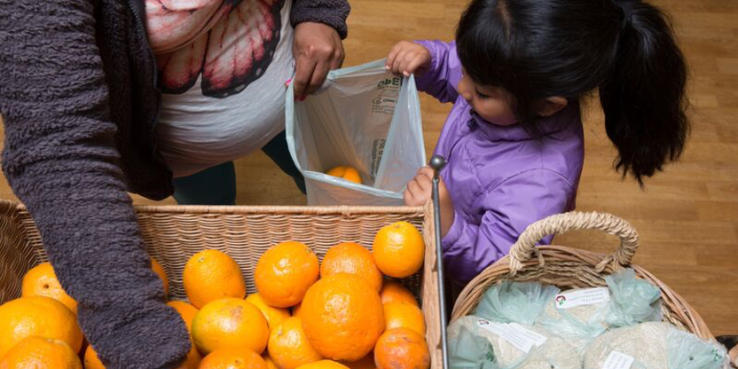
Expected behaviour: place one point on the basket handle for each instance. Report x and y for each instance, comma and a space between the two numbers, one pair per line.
523, 249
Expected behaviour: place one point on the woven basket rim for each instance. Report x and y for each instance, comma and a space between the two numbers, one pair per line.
261, 209
275, 209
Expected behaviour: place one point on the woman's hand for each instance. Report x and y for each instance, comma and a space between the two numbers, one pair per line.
420, 190
408, 58
317, 49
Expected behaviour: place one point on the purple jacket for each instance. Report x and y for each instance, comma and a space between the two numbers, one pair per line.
499, 177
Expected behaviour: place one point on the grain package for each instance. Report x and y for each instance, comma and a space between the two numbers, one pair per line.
653, 345
475, 342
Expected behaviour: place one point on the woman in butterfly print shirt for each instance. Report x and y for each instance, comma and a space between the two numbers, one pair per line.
223, 66
80, 108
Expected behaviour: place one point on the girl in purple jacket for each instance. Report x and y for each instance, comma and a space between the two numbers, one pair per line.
513, 140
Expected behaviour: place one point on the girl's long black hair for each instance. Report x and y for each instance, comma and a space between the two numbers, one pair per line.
626, 49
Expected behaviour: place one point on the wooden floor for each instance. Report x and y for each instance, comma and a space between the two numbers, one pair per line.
687, 216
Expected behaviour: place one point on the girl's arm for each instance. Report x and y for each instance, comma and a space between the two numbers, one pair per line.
60, 160
435, 64
512, 206
443, 73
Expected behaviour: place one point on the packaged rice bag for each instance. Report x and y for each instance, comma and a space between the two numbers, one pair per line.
468, 350
632, 300
475, 342
653, 345
515, 302
581, 315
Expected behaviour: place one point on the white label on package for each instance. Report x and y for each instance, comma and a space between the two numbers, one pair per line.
515, 334
589, 296
618, 360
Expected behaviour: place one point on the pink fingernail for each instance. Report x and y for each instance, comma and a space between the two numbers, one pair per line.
287, 83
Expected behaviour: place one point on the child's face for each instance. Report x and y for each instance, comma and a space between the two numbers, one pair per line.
491, 103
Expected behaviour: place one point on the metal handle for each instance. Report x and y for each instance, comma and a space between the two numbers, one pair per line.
437, 163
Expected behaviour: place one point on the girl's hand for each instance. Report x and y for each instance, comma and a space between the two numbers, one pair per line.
317, 49
420, 190
408, 58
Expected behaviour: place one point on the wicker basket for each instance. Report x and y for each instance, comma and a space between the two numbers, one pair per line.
174, 233
567, 267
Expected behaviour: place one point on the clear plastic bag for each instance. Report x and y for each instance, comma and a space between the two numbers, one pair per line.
515, 302
468, 349
629, 301
687, 351
632, 300
363, 117
655, 345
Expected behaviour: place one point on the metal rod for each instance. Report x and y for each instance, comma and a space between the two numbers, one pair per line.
437, 163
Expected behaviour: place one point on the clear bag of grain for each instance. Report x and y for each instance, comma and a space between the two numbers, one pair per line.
507, 346
467, 350
515, 302
632, 300
653, 345
581, 315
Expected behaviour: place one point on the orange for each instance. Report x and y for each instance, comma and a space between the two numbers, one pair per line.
351, 258
342, 317
324, 364
41, 281
92, 361
285, 272
269, 362
402, 315
289, 347
348, 173
401, 348
188, 313
366, 363
37, 316
159, 270
41, 353
399, 250
273, 315
230, 322
186, 310
237, 357
393, 291
193, 359
210, 275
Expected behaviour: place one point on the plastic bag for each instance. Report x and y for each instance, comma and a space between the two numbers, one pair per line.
467, 350
654, 346
508, 346
515, 302
626, 301
632, 300
687, 351
363, 117
579, 324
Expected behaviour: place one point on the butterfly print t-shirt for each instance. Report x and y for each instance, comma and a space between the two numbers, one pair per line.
222, 71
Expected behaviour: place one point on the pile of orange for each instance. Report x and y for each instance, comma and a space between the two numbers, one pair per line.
40, 329
346, 173
340, 314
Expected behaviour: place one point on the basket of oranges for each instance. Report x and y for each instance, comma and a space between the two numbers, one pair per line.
340, 287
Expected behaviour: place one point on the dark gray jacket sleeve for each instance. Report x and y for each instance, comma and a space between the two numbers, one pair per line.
330, 12
61, 161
